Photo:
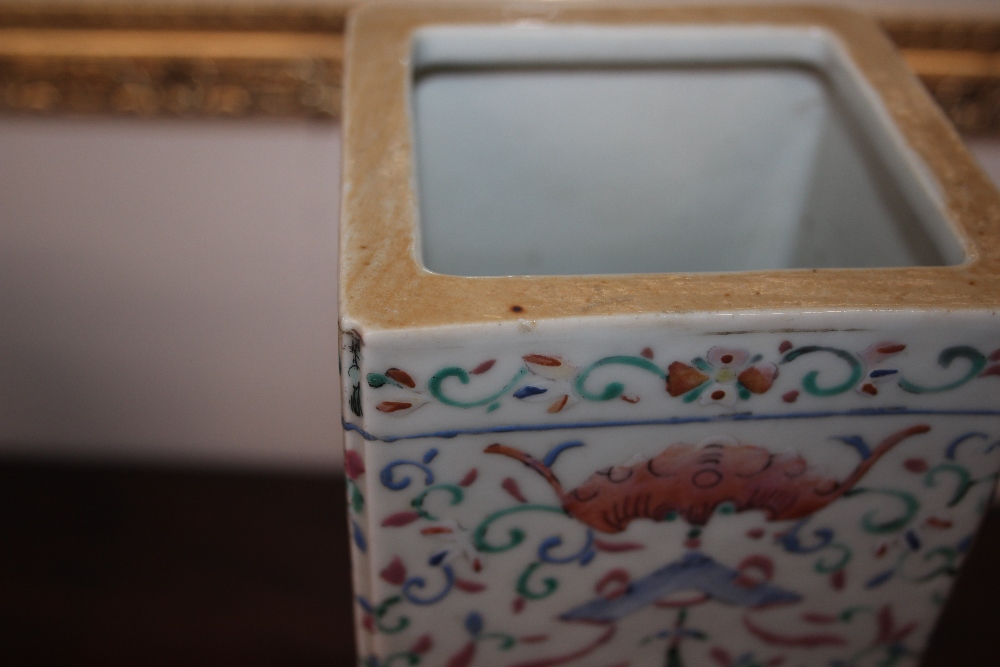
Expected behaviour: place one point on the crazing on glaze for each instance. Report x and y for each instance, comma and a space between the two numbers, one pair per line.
727, 551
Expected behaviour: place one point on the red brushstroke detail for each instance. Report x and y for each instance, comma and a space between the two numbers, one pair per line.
887, 631
869, 388
436, 530
629, 399
692, 543
790, 396
818, 619
469, 586
937, 522
758, 379
755, 533
558, 404
807, 641
785, 346
368, 623
682, 378
647, 353
424, 644
902, 633
477, 565
891, 349
402, 377
569, 657
995, 355
393, 406
617, 576
394, 572
533, 639
483, 367
881, 550
838, 580
464, 657
721, 656
518, 604
354, 465
469, 478
992, 370
616, 547
916, 465
510, 486
400, 519
761, 564
885, 623
541, 360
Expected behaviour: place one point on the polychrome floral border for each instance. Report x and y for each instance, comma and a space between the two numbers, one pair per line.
724, 376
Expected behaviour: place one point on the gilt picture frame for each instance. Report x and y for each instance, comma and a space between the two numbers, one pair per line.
284, 61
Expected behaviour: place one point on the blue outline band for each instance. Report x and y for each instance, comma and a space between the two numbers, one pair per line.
671, 421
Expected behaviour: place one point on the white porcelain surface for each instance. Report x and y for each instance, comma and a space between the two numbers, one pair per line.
885, 426
681, 468
642, 150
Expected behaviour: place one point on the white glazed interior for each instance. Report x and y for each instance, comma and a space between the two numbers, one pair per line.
593, 150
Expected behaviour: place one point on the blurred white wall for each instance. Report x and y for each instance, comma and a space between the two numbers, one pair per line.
168, 290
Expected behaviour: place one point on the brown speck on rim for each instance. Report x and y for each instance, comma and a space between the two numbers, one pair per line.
517, 309
972, 282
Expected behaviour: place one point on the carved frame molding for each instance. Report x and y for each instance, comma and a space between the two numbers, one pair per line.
286, 61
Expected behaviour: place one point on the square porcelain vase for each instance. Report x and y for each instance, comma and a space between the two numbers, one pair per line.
669, 337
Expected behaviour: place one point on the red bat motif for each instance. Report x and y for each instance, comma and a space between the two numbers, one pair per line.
691, 482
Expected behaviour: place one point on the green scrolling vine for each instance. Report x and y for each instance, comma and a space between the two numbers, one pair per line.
723, 376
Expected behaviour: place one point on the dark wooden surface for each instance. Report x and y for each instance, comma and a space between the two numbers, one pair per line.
135, 566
